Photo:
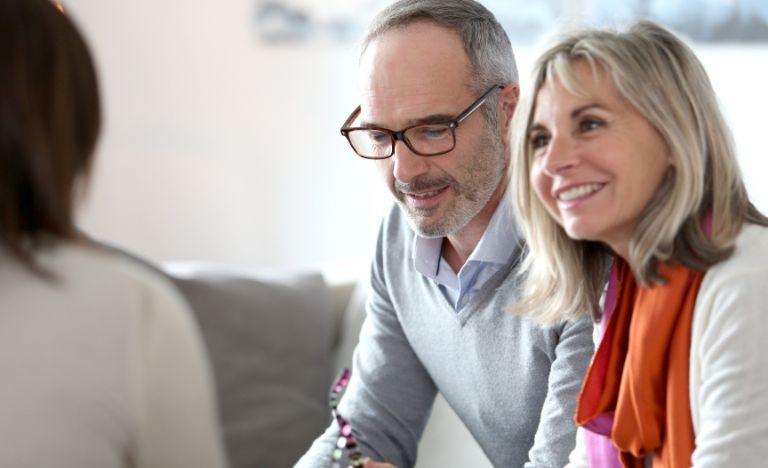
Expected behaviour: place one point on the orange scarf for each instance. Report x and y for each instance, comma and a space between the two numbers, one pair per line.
640, 370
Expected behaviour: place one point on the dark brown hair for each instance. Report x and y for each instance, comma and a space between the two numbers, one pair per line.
50, 117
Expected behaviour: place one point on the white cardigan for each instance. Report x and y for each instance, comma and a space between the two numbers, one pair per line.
101, 367
729, 361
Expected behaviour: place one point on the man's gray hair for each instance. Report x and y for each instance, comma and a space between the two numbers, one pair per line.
485, 41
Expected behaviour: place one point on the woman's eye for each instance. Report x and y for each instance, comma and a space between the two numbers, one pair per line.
588, 124
538, 141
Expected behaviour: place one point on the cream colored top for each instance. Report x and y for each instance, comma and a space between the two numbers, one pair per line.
729, 360
103, 367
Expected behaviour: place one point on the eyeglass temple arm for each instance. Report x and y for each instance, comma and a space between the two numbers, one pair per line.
350, 119
480, 101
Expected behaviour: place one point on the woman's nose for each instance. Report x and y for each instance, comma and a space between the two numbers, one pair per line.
560, 154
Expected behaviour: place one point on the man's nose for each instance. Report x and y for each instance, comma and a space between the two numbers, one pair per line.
407, 164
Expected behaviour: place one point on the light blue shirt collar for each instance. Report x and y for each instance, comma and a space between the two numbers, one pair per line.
494, 250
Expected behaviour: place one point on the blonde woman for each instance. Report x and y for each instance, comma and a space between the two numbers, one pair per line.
623, 163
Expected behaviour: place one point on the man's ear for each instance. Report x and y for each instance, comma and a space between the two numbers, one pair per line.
508, 98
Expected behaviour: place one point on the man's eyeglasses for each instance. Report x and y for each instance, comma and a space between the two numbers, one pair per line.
429, 139
347, 442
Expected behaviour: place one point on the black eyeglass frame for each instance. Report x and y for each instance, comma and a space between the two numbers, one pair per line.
400, 135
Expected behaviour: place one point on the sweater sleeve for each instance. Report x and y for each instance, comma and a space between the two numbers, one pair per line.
729, 391
390, 394
176, 419
556, 433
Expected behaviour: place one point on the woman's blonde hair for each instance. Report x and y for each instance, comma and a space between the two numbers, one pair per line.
661, 77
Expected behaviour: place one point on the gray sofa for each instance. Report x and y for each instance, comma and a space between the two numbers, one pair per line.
275, 342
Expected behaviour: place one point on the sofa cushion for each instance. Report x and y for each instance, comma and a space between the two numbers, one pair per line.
270, 340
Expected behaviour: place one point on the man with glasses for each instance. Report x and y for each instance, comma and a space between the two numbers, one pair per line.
438, 89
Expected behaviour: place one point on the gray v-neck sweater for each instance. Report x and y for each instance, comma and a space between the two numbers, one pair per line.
512, 383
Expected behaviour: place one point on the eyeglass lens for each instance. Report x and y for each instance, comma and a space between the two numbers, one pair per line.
422, 139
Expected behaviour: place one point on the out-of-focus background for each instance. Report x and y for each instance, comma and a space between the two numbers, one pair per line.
221, 140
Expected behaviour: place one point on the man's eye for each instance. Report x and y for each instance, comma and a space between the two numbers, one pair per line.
378, 138
431, 132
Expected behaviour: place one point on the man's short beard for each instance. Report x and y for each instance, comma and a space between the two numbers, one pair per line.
483, 179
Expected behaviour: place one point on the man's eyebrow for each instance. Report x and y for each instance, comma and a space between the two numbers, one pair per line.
430, 119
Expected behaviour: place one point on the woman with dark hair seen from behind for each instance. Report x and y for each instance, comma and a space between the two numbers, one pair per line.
622, 162
102, 365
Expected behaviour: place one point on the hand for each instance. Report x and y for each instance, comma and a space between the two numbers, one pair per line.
372, 464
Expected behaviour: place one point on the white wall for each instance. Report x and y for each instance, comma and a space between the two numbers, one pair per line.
217, 147
738, 75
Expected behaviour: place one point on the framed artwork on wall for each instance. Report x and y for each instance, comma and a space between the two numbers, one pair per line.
342, 21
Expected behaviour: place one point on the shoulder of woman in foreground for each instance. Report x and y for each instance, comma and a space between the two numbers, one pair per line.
91, 277
106, 263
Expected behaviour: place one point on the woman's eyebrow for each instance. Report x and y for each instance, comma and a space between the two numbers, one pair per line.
581, 109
